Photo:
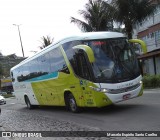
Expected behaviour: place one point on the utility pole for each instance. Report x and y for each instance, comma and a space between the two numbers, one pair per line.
20, 38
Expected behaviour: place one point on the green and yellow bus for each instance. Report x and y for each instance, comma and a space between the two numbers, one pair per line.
93, 69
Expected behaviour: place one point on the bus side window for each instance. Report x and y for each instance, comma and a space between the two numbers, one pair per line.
70, 52
44, 64
13, 79
57, 61
83, 69
19, 74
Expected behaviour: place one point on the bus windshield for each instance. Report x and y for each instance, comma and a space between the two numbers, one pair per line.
115, 60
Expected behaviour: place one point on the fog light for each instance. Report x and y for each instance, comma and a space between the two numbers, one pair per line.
99, 89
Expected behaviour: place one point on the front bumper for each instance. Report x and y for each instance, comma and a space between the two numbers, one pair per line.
126, 95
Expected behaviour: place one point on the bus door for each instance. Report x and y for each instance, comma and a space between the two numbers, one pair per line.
84, 72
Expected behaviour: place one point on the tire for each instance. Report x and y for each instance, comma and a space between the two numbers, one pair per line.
72, 105
28, 103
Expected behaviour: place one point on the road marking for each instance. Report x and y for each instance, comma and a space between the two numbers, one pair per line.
12, 103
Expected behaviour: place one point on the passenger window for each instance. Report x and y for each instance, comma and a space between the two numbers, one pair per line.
19, 74
83, 69
71, 54
44, 64
26, 72
57, 61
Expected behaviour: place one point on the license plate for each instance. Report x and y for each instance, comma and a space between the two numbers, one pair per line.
127, 96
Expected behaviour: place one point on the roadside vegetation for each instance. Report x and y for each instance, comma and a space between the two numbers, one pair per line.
45, 41
151, 81
8, 95
100, 15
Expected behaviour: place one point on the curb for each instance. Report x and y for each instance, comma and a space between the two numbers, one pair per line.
157, 90
152, 89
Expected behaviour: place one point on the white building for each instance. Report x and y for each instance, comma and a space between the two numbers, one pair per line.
149, 31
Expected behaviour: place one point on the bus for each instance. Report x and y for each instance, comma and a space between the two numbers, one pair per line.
94, 69
6, 86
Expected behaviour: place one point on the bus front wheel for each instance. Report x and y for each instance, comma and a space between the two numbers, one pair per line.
28, 103
72, 104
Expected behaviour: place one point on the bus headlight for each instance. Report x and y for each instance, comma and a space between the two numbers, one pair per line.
104, 90
98, 89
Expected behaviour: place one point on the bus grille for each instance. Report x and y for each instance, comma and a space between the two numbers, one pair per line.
122, 90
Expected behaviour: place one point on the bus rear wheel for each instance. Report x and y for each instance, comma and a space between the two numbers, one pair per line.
28, 103
72, 104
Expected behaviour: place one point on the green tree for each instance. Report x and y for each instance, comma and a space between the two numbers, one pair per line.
1, 71
45, 41
96, 17
132, 12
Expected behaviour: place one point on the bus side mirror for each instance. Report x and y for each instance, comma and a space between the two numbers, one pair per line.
13, 79
142, 43
88, 51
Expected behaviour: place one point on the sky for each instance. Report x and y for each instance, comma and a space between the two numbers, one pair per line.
36, 18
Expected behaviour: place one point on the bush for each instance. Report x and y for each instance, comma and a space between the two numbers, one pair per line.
151, 81
8, 95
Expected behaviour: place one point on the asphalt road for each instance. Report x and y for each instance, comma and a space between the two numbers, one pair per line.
139, 114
